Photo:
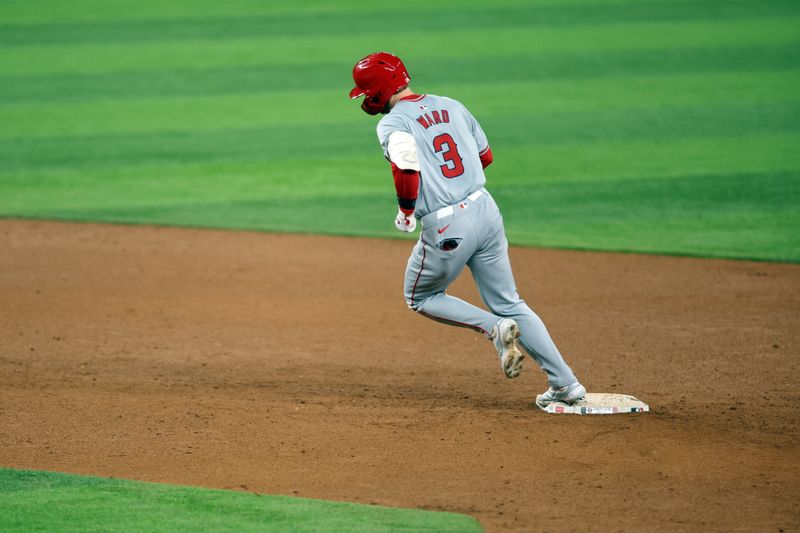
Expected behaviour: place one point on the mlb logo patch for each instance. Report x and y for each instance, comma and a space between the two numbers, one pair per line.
463, 205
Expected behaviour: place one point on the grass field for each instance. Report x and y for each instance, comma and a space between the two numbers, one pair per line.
654, 126
42, 501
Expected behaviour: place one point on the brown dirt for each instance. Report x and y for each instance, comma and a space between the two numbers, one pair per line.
290, 364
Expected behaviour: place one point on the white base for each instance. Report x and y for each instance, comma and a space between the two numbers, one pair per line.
600, 404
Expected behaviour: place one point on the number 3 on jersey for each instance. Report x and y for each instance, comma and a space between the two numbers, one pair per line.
453, 166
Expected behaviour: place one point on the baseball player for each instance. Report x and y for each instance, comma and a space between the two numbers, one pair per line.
438, 152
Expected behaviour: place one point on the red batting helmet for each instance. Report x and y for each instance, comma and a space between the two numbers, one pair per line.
378, 77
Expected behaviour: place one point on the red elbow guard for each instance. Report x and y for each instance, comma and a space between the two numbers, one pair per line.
406, 183
486, 157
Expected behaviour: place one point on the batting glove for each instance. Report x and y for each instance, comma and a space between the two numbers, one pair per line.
406, 223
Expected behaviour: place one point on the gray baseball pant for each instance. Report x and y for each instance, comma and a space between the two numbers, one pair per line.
471, 233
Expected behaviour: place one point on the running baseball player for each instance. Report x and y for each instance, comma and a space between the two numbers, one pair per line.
438, 152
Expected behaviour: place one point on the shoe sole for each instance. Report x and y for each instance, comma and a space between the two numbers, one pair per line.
512, 362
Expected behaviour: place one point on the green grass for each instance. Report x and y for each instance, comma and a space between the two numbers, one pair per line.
44, 501
661, 126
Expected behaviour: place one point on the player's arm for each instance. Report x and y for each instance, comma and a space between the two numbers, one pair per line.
406, 183
402, 154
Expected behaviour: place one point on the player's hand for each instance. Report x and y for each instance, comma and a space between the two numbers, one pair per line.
406, 223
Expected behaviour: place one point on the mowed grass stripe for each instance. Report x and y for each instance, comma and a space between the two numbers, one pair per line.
188, 183
477, 44
728, 215
29, 192
536, 100
22, 13
623, 93
630, 160
336, 76
644, 215
293, 141
259, 144
432, 19
103, 10
690, 122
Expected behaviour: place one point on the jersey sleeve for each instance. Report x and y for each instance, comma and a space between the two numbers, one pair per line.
387, 125
477, 132
406, 182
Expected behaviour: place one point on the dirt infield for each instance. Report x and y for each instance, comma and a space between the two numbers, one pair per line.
290, 364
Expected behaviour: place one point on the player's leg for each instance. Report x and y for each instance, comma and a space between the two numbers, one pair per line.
491, 270
435, 262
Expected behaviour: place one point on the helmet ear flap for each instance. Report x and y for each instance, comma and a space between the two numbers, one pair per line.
372, 105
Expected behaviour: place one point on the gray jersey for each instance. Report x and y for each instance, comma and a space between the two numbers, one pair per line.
449, 143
